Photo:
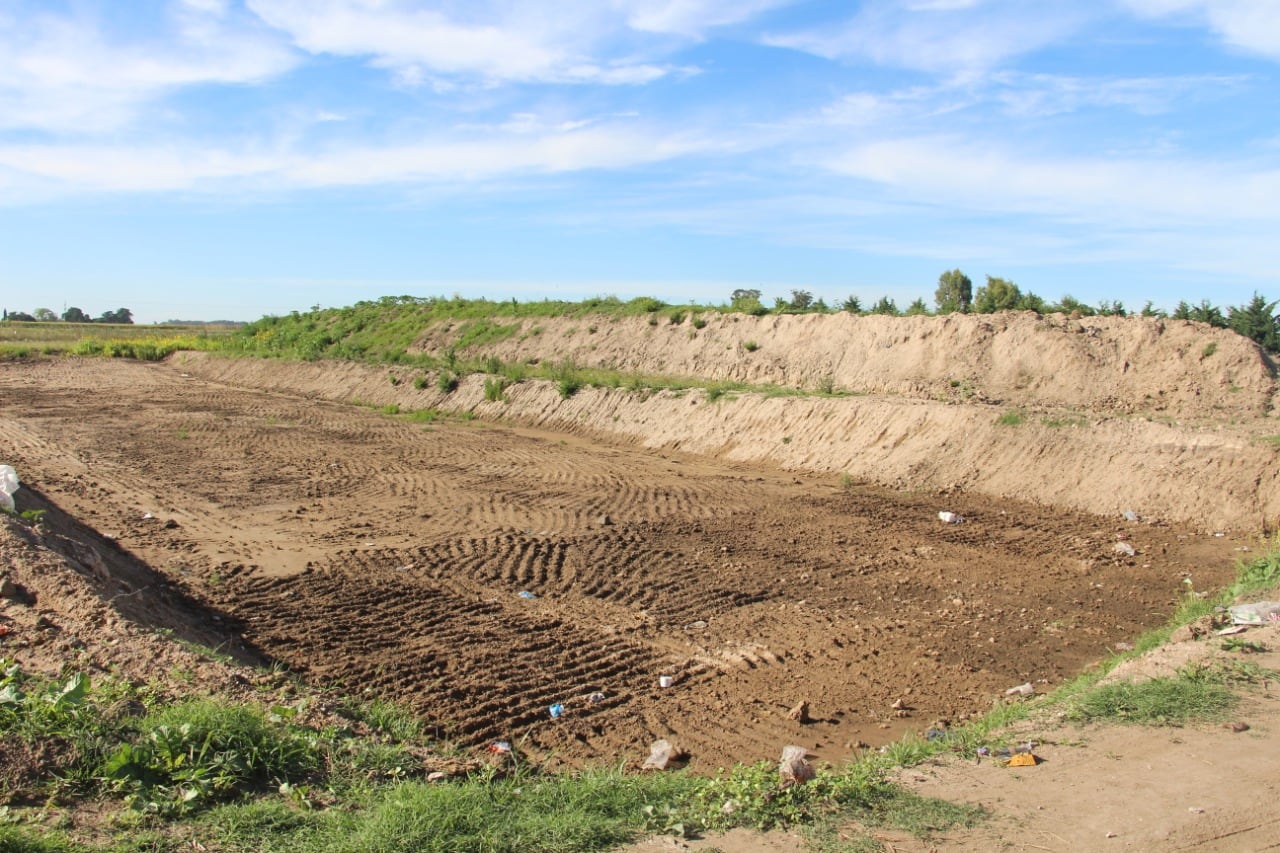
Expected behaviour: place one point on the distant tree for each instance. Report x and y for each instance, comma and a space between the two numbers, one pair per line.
885, 306
781, 305
820, 306
801, 300
1205, 312
852, 304
121, 315
1149, 310
1068, 304
997, 294
20, 317
1258, 322
954, 293
1031, 302
748, 302
1112, 308
917, 308
44, 315
75, 315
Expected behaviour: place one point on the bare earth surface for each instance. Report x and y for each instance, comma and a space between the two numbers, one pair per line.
378, 553
760, 552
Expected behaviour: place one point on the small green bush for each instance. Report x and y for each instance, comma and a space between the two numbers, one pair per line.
495, 389
447, 382
750, 346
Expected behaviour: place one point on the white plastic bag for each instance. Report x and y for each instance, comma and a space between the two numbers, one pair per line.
8, 485
1256, 613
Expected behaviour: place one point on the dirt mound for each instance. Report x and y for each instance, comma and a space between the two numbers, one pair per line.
378, 552
1090, 365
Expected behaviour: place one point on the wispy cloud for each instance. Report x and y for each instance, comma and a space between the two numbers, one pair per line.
498, 42
945, 36
1251, 25
965, 174
524, 149
67, 75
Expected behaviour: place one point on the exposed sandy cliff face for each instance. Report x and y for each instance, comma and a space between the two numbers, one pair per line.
1166, 418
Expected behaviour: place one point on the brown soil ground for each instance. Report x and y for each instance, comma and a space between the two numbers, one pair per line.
389, 556
761, 551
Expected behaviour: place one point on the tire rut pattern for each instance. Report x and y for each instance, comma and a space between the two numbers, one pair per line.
407, 636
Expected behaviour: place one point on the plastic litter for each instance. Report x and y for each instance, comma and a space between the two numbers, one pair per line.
1021, 690
524, 593
595, 698
794, 768
951, 517
660, 754
499, 747
1130, 515
1255, 613
556, 710
8, 485
1124, 549
1023, 759
665, 681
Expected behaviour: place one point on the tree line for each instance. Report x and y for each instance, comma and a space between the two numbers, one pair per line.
72, 315
955, 294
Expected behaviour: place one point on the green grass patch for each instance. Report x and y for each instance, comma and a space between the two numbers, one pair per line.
1160, 701
1013, 417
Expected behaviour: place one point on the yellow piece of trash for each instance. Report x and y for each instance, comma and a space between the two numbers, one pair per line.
1023, 759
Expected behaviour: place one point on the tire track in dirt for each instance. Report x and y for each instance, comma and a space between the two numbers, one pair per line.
387, 554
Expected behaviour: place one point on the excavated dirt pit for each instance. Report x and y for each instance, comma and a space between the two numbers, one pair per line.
390, 556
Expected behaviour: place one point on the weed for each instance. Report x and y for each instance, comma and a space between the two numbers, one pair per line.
750, 346
1160, 701
393, 379
1240, 644
391, 409
495, 389
786, 439
425, 416
447, 382
1209, 349
420, 382
1013, 417
1064, 421
847, 481
493, 365
676, 318
827, 385
183, 433
698, 322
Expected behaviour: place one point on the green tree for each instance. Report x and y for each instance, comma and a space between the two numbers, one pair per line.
121, 315
75, 315
1257, 321
44, 315
852, 304
801, 300
885, 306
1068, 304
954, 293
917, 308
747, 302
998, 294
1031, 302
1206, 312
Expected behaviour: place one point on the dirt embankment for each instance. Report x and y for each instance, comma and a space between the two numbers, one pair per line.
1169, 419
1090, 365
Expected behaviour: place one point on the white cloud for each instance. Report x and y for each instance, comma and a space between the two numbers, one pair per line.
520, 148
498, 42
68, 75
1251, 25
948, 37
977, 177
692, 18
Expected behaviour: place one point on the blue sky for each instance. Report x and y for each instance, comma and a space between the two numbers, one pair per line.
226, 159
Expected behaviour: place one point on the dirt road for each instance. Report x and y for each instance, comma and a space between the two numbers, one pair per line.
391, 555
